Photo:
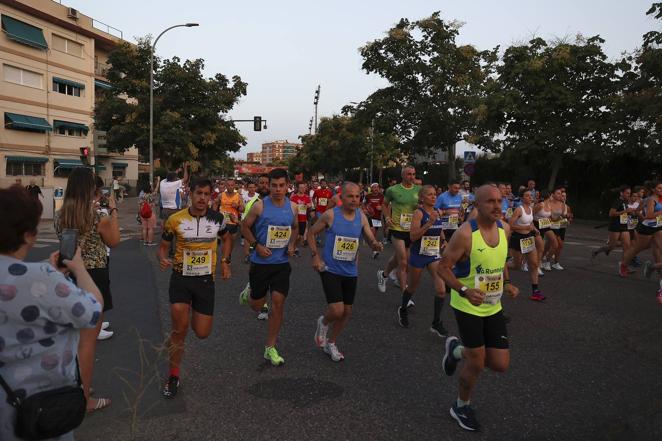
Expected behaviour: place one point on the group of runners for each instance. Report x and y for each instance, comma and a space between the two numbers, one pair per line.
467, 239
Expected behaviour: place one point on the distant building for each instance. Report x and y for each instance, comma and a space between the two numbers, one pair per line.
254, 157
52, 61
278, 151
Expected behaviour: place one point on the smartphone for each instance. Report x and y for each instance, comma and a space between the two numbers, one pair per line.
68, 244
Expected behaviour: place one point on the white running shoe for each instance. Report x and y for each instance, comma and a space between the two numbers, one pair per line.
104, 335
334, 353
393, 275
546, 266
410, 304
557, 266
320, 333
105, 325
540, 273
381, 281
525, 267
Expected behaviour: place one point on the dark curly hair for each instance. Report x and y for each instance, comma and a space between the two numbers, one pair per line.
19, 214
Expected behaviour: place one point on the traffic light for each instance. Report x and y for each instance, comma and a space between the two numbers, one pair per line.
257, 123
85, 155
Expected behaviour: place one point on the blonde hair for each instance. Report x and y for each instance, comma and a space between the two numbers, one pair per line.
78, 205
422, 191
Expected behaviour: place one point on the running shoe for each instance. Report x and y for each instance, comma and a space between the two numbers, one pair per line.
465, 417
171, 387
381, 281
540, 273
105, 325
297, 253
537, 296
104, 335
410, 304
557, 266
334, 353
525, 267
403, 319
375, 254
546, 266
243, 296
648, 269
636, 263
659, 296
264, 313
384, 241
393, 275
320, 333
449, 362
271, 354
622, 270
438, 328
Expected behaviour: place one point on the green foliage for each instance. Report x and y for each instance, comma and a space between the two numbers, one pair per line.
188, 108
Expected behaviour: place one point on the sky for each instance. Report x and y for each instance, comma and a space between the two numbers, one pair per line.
284, 49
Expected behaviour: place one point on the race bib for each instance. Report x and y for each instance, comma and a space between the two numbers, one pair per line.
376, 223
451, 222
659, 221
624, 218
527, 245
564, 223
405, 221
555, 225
345, 248
491, 285
228, 216
465, 205
509, 213
302, 209
322, 202
632, 223
196, 262
430, 246
544, 223
278, 236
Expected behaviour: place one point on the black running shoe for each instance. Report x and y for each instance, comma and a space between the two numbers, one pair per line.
438, 328
170, 388
449, 362
465, 417
403, 319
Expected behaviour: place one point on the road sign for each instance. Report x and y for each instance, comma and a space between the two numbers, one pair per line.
469, 169
469, 157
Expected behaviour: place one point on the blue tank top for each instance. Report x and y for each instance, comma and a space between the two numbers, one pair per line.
656, 207
434, 230
273, 216
341, 245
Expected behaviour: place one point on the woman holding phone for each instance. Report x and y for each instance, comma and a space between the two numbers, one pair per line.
96, 231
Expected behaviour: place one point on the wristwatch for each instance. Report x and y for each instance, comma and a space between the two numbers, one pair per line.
252, 245
463, 291
225, 260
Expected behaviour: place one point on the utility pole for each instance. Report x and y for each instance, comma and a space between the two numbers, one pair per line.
372, 148
310, 126
316, 102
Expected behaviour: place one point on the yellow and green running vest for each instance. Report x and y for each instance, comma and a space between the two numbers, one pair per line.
483, 270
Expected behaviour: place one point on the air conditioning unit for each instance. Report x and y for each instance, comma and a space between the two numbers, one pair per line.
72, 13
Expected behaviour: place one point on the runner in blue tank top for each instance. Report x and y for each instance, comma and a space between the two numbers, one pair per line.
427, 241
269, 228
337, 265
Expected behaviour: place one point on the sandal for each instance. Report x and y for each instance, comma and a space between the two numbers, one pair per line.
101, 403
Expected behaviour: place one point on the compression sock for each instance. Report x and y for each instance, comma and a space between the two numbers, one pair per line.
406, 297
534, 286
438, 304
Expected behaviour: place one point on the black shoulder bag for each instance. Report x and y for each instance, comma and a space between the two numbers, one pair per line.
50, 413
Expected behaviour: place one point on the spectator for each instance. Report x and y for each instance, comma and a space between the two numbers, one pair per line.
46, 320
147, 207
34, 190
96, 231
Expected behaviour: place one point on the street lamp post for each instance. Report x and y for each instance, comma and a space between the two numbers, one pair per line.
151, 98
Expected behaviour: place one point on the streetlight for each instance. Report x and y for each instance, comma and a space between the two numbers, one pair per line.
151, 98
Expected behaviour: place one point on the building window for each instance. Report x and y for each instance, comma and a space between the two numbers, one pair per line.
70, 132
66, 89
68, 46
118, 172
20, 168
23, 77
61, 172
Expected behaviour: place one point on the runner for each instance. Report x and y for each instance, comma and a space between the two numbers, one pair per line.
478, 252
231, 205
427, 240
321, 198
542, 216
559, 220
248, 197
400, 202
650, 230
337, 265
523, 243
192, 291
273, 220
169, 193
374, 201
304, 210
618, 228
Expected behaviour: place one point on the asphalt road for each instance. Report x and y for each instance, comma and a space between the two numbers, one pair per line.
585, 365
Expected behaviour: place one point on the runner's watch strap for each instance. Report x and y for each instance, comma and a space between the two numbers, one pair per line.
463, 291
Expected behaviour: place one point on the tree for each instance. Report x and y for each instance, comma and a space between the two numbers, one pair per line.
639, 106
553, 100
188, 108
435, 86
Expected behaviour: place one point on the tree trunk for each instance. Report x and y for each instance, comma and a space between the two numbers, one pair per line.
381, 171
361, 177
556, 166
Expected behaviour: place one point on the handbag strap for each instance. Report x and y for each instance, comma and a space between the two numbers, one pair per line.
15, 400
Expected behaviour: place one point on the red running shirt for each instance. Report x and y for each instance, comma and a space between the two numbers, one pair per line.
322, 197
303, 202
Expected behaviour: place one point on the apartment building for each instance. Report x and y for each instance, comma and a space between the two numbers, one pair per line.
254, 157
278, 151
52, 60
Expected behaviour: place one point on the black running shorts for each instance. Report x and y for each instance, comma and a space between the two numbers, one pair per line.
302, 228
338, 288
476, 331
232, 228
197, 291
647, 230
448, 234
560, 233
402, 235
269, 278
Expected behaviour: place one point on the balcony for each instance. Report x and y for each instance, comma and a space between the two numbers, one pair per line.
101, 69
